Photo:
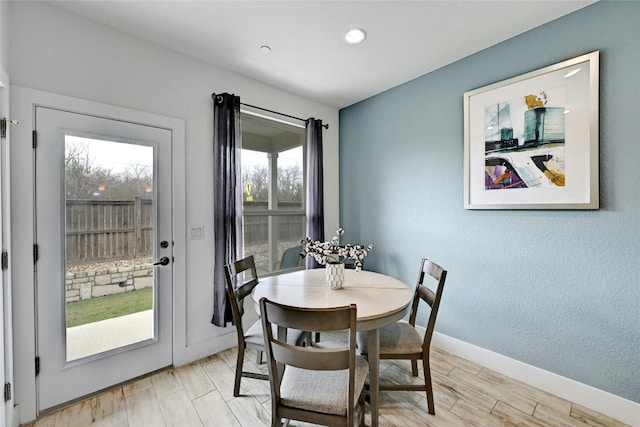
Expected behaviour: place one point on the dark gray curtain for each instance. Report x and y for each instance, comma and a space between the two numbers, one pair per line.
227, 198
315, 193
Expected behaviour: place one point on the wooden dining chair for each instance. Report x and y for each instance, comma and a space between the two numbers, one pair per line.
401, 340
242, 277
315, 385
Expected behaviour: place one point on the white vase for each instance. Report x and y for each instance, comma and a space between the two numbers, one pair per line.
335, 275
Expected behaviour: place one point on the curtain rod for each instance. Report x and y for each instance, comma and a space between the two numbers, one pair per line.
326, 126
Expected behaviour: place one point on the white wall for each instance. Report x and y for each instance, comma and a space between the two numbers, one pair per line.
54, 51
4, 34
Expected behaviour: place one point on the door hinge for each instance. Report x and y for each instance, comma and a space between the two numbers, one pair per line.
36, 253
37, 365
3, 126
5, 260
7, 392
34, 139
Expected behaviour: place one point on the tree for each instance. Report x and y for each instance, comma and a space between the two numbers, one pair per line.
290, 188
137, 180
257, 178
85, 180
77, 170
255, 184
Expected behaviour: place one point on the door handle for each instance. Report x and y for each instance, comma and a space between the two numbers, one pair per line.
163, 261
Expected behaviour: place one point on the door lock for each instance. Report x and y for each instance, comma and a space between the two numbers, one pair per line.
163, 261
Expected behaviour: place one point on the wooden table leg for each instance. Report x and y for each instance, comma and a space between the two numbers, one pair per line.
373, 348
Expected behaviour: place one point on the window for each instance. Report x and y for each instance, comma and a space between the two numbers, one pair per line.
272, 165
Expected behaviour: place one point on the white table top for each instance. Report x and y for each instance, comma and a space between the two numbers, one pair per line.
380, 299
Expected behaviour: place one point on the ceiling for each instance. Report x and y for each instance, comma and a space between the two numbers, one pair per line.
308, 56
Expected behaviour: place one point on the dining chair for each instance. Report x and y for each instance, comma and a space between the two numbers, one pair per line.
241, 277
290, 258
315, 385
401, 340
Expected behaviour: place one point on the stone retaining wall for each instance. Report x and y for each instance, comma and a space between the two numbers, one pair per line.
102, 280
84, 285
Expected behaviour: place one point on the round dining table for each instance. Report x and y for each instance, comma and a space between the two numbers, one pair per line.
380, 300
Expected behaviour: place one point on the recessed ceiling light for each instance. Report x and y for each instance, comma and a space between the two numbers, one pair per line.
355, 36
265, 49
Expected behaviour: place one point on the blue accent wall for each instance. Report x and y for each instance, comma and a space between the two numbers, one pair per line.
557, 289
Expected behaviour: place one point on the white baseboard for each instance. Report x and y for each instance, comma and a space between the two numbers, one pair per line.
600, 401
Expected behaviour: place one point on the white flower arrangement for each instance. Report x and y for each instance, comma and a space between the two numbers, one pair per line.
332, 252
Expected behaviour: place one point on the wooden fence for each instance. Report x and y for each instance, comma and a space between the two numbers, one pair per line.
287, 228
106, 230
101, 230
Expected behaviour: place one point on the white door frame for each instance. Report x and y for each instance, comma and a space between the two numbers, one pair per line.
23, 102
6, 334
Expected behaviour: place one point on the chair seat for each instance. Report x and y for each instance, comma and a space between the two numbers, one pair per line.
321, 391
400, 338
397, 338
254, 335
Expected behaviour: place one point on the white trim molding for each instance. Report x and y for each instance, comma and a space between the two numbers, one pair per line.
600, 401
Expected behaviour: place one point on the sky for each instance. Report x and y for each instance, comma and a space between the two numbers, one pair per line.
114, 156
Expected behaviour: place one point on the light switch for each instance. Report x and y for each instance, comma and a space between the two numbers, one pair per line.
196, 232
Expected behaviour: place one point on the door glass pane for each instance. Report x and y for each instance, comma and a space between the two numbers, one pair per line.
109, 241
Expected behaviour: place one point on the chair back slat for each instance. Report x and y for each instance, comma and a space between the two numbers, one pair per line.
330, 319
245, 264
309, 358
426, 294
432, 269
245, 289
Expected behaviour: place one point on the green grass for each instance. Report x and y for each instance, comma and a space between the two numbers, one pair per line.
107, 307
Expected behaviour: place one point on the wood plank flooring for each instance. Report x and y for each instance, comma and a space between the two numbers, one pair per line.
201, 394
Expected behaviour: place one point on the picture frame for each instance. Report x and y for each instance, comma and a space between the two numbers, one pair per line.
532, 141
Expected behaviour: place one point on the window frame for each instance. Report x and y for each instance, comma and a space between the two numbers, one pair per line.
274, 251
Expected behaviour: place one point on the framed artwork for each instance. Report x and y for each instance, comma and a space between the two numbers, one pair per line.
531, 142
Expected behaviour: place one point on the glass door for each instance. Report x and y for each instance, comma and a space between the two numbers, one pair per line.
104, 251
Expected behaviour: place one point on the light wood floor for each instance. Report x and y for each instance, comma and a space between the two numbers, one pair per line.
201, 394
